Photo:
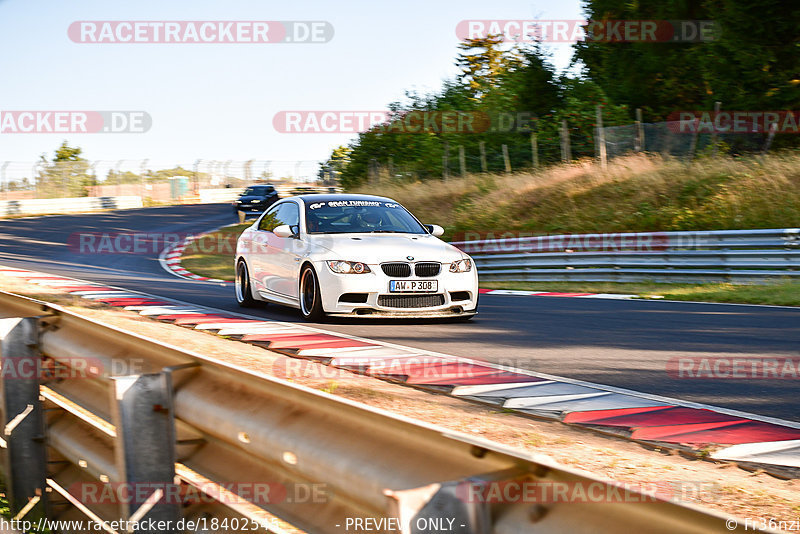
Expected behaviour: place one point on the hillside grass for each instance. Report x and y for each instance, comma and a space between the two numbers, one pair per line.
635, 193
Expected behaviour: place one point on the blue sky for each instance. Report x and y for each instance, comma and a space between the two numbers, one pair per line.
216, 101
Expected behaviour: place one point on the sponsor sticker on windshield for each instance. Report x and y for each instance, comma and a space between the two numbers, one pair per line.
352, 204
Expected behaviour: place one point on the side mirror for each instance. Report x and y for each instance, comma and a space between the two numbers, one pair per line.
283, 230
435, 230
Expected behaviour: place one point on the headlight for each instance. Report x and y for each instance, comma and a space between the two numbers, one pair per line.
461, 266
348, 267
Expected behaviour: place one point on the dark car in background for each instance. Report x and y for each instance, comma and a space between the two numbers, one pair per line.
255, 199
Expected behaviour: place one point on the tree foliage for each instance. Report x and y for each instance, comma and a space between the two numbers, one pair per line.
752, 62
508, 93
67, 174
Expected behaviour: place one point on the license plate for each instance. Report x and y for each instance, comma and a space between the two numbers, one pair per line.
413, 286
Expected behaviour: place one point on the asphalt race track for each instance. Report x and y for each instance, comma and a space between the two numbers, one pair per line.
616, 342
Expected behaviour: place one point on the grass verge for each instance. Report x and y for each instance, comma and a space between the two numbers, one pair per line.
212, 255
777, 294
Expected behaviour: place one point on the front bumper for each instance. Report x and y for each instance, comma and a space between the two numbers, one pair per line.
251, 208
451, 286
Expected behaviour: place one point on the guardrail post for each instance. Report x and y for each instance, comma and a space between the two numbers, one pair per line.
453, 506
25, 460
142, 412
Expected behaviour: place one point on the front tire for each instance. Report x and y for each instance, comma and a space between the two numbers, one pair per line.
310, 296
244, 291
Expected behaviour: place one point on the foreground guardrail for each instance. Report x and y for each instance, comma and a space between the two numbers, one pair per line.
184, 423
710, 256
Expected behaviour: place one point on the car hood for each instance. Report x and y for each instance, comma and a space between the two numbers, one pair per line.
248, 198
379, 248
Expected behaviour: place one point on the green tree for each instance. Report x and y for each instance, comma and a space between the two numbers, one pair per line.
336, 163
483, 63
67, 174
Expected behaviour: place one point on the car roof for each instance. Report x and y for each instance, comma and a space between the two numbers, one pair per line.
340, 196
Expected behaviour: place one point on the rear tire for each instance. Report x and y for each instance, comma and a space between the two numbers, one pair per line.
310, 296
244, 292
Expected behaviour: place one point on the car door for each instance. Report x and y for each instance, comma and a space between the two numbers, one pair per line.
262, 263
279, 260
290, 251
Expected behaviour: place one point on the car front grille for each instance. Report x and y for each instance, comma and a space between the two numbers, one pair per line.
398, 270
427, 268
410, 301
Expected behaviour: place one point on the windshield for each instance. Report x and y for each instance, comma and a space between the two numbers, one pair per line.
257, 191
360, 216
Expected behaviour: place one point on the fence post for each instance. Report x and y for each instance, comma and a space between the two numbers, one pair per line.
695, 136
566, 151
534, 150
142, 170
600, 142
717, 107
3, 181
506, 159
142, 412
638, 138
482, 147
772, 129
25, 457
446, 161
374, 171
196, 177
225, 171
462, 161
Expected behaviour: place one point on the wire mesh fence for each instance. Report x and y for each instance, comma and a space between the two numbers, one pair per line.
526, 151
669, 139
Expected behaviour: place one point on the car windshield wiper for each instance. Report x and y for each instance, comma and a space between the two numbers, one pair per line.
387, 232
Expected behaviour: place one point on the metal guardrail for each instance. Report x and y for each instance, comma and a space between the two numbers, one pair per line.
205, 423
709, 256
36, 206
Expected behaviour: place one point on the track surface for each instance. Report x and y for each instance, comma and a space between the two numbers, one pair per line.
616, 342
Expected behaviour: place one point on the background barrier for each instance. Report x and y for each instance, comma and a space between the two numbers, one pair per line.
710, 256
43, 206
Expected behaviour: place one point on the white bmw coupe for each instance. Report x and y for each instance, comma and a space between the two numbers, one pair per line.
352, 255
